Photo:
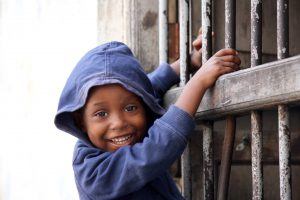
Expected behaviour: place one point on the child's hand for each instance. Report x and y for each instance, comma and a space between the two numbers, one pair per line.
223, 62
196, 56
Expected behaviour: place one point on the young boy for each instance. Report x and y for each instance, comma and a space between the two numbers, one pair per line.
127, 141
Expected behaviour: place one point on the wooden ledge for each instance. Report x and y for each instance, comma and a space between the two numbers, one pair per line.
264, 86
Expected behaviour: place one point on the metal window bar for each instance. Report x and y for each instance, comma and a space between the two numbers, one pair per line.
208, 168
184, 76
224, 177
283, 113
208, 161
163, 31
256, 122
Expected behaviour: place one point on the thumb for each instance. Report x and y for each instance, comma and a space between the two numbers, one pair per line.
197, 44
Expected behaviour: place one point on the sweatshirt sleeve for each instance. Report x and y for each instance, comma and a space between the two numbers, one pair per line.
106, 175
163, 78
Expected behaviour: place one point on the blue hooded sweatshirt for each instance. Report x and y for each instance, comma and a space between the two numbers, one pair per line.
131, 172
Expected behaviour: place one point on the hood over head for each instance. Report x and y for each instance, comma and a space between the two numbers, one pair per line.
110, 63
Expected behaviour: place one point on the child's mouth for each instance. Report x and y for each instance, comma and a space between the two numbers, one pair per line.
122, 140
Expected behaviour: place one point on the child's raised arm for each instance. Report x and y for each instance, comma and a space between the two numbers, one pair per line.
224, 61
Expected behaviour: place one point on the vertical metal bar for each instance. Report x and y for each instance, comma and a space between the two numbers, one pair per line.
163, 31
284, 153
228, 143
226, 158
208, 167
184, 40
206, 30
184, 76
230, 23
256, 148
256, 32
282, 29
283, 114
256, 123
208, 174
186, 173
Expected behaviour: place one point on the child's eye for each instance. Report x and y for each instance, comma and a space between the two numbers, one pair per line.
101, 114
130, 108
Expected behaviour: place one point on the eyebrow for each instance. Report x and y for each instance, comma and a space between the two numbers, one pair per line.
99, 103
129, 97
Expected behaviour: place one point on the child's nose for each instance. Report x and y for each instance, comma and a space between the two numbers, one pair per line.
118, 122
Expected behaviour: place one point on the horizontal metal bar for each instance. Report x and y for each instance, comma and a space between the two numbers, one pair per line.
253, 88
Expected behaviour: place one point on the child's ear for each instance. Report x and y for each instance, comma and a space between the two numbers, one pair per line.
77, 115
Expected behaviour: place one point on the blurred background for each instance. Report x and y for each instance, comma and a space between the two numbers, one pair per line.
40, 43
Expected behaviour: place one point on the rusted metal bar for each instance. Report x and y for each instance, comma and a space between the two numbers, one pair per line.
284, 153
283, 113
208, 168
163, 31
186, 172
208, 160
184, 40
230, 23
226, 158
256, 123
225, 168
282, 29
184, 76
256, 149
256, 32
206, 30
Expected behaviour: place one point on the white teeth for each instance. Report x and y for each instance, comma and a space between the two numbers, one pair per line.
121, 140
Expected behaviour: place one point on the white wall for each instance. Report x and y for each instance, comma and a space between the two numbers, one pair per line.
40, 43
134, 22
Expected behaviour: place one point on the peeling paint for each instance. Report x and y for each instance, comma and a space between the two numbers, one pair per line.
254, 7
284, 153
255, 54
256, 148
226, 102
283, 50
206, 30
184, 76
163, 31
184, 41
208, 179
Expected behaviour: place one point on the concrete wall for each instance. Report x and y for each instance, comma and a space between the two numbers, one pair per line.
134, 22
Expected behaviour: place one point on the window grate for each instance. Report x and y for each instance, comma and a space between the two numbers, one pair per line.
214, 105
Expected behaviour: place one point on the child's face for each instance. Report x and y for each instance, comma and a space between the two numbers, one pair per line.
114, 117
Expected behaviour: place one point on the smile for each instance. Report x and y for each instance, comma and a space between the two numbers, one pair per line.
122, 139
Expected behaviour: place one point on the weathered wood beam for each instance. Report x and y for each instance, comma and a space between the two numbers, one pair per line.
253, 88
